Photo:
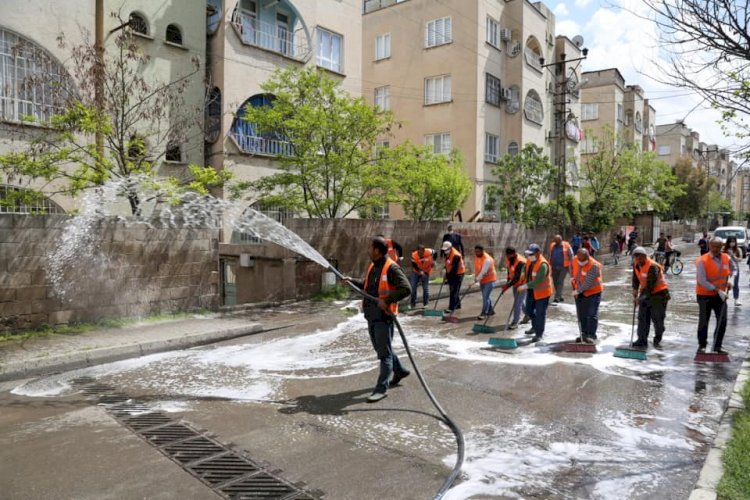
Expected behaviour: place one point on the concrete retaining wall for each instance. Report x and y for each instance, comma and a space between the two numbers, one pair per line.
145, 271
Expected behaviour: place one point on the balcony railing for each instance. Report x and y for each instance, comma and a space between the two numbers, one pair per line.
372, 5
257, 145
532, 58
271, 37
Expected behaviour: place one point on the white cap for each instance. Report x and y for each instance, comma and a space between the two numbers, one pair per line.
446, 245
639, 251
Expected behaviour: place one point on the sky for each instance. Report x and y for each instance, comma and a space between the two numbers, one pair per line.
618, 38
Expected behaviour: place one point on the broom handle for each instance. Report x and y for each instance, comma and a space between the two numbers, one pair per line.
438, 295
632, 329
721, 315
578, 317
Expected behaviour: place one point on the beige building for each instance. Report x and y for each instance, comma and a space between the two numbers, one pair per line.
170, 32
467, 76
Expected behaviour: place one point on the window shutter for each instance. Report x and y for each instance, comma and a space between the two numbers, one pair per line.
447, 30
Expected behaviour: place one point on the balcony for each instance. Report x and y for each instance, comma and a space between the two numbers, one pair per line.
271, 37
532, 59
263, 146
373, 5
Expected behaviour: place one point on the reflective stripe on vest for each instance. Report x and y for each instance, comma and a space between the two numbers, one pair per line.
491, 275
544, 289
717, 276
448, 266
384, 287
579, 276
566, 252
426, 263
512, 270
642, 276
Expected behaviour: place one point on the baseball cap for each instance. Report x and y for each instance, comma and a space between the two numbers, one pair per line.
533, 248
446, 245
639, 251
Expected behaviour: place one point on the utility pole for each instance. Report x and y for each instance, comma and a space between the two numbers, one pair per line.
99, 74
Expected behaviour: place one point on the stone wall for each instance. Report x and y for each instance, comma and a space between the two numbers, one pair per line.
136, 271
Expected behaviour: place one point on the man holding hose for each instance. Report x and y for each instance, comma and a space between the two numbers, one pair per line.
385, 280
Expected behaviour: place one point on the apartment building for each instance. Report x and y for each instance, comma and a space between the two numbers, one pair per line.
468, 76
170, 32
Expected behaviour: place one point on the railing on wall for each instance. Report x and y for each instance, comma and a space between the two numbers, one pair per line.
275, 38
261, 145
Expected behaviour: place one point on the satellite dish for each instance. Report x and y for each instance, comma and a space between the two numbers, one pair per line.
578, 41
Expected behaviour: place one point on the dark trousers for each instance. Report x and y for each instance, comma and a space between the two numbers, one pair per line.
454, 286
707, 304
537, 311
652, 309
588, 314
558, 280
416, 279
381, 336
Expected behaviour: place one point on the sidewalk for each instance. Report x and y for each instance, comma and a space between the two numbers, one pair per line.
42, 355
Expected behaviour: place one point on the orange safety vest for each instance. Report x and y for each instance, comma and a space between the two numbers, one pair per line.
544, 289
384, 287
718, 277
642, 275
579, 276
426, 263
391, 251
451, 255
491, 275
512, 270
566, 252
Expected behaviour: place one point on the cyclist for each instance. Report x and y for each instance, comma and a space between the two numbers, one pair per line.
661, 249
668, 252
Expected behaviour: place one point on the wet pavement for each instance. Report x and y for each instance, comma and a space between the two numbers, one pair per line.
538, 423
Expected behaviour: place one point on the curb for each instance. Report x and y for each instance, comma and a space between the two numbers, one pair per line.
713, 469
76, 360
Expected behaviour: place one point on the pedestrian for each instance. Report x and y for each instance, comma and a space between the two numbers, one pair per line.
595, 246
586, 280
385, 280
455, 240
539, 284
453, 275
516, 266
712, 273
485, 276
734, 252
632, 241
422, 264
575, 242
703, 243
614, 247
651, 295
560, 255
621, 240
668, 252
586, 243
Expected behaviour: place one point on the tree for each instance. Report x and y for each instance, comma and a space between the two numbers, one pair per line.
139, 120
524, 179
621, 181
708, 47
696, 186
331, 169
430, 186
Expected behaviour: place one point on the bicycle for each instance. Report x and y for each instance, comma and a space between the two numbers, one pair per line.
675, 265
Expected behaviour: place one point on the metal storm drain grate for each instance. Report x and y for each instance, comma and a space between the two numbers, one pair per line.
227, 472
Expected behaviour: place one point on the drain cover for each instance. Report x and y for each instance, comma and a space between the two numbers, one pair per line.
259, 485
147, 420
218, 470
168, 433
193, 450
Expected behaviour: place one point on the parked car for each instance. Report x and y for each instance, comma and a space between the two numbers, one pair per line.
738, 232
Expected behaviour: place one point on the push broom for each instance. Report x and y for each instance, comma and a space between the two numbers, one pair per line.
483, 328
631, 352
714, 357
579, 346
434, 311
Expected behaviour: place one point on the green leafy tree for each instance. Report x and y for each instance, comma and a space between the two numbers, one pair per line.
137, 120
696, 186
563, 213
331, 169
524, 179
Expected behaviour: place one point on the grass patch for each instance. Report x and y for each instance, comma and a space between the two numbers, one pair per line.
735, 484
78, 328
338, 292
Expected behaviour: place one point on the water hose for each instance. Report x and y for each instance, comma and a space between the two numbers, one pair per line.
444, 416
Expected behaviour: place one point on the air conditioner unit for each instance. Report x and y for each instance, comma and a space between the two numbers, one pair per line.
506, 94
505, 34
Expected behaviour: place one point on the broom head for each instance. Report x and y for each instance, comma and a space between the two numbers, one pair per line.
711, 357
630, 353
503, 343
451, 319
578, 347
480, 328
433, 312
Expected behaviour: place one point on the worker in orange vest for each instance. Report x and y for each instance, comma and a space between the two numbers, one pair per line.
422, 263
539, 286
484, 276
651, 295
560, 255
395, 251
454, 275
516, 266
586, 280
385, 280
713, 271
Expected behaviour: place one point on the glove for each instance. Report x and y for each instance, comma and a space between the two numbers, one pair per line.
476, 282
522, 288
723, 295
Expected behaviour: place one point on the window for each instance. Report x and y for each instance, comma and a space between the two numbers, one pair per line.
437, 89
513, 148
620, 113
380, 145
665, 150
174, 34
514, 103
329, 50
213, 115
137, 148
249, 139
493, 32
441, 143
438, 32
532, 108
589, 112
382, 46
16, 200
383, 98
589, 146
174, 152
32, 84
138, 23
628, 118
491, 148
492, 90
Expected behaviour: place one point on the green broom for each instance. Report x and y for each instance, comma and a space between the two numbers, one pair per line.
630, 352
483, 328
434, 311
